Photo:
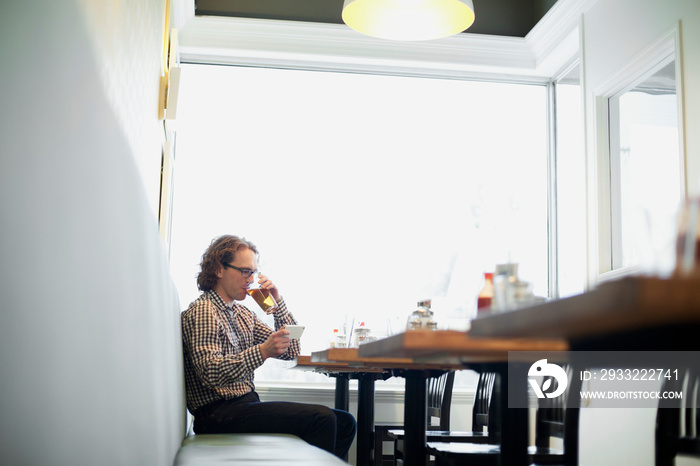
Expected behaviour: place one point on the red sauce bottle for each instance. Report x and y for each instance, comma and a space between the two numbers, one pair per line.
483, 302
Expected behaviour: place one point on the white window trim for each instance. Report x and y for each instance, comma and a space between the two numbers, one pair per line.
553, 155
314, 393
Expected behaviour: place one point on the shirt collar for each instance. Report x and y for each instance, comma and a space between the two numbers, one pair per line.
218, 301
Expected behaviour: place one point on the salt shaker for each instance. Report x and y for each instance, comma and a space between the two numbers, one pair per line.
422, 317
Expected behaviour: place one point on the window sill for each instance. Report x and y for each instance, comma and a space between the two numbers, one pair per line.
386, 394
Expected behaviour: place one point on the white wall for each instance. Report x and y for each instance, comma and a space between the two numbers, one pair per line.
90, 351
614, 33
127, 38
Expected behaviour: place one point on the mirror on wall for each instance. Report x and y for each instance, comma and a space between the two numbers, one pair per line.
646, 171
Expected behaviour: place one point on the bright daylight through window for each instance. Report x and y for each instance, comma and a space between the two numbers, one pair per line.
570, 186
363, 193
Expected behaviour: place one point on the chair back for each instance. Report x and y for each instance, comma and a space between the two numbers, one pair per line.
555, 419
482, 401
439, 394
549, 420
677, 420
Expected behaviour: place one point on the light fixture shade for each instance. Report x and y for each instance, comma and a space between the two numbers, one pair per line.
408, 19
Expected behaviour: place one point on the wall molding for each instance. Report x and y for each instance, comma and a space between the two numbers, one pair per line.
555, 38
646, 62
335, 47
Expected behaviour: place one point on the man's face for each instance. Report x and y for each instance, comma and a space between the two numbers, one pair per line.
232, 284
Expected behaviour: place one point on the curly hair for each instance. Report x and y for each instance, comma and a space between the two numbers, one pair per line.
222, 249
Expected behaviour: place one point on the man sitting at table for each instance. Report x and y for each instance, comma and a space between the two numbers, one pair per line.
224, 342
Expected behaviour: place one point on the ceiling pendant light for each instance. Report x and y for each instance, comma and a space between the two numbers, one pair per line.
408, 19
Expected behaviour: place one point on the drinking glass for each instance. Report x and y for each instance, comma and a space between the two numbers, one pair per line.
263, 297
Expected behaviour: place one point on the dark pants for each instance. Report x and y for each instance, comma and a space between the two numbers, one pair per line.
330, 429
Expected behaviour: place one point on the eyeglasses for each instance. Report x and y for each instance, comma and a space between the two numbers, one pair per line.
245, 272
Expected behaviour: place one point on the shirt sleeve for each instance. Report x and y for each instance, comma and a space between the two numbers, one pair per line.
284, 317
214, 362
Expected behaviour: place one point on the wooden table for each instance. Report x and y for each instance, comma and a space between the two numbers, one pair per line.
617, 319
342, 372
367, 370
634, 313
354, 359
366, 374
449, 349
441, 345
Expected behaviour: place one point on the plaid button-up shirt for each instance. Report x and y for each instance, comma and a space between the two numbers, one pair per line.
221, 347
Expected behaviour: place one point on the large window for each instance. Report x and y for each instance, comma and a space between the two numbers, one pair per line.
364, 193
570, 183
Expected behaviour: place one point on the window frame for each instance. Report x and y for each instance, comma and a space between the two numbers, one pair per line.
575, 64
529, 61
543, 176
608, 189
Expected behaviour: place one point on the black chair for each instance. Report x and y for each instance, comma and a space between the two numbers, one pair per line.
439, 397
553, 419
485, 421
677, 420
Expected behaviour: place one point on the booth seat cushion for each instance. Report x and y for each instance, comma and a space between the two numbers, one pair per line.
251, 449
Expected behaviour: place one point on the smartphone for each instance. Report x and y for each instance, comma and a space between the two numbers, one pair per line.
295, 331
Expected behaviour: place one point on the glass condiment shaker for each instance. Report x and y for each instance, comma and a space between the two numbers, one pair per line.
362, 333
422, 317
341, 341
